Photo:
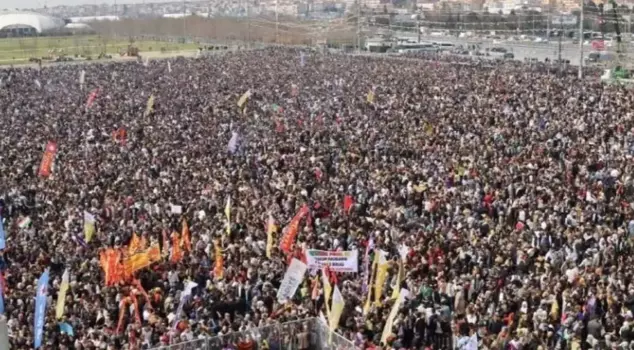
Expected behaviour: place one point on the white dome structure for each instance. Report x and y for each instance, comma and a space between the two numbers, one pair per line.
25, 23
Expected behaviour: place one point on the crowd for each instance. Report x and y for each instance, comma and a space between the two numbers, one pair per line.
510, 188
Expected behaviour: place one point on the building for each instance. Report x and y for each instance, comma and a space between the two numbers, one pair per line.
28, 23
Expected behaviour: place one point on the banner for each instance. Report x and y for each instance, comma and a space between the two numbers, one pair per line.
337, 261
292, 279
61, 295
228, 215
40, 309
46, 167
288, 239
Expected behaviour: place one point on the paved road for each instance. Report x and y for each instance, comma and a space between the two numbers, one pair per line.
523, 50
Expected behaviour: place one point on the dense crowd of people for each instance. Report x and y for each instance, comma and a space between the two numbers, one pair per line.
510, 186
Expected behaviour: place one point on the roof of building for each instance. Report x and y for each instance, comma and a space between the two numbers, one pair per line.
40, 22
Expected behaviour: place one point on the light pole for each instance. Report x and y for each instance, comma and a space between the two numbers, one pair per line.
580, 73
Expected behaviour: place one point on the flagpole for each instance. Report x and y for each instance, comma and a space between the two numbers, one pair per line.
580, 73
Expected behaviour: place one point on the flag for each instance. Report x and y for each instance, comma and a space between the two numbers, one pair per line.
288, 239
24, 222
336, 310
219, 261
120, 136
233, 143
186, 237
366, 265
327, 290
91, 98
141, 260
270, 229
89, 226
79, 240
243, 99
150, 106
61, 295
366, 307
302, 59
370, 97
3, 239
177, 254
82, 78
4, 333
399, 279
169, 67
134, 245
387, 330
228, 215
40, 308
46, 167
39, 85
347, 204
66, 328
472, 343
381, 276
187, 292
1, 303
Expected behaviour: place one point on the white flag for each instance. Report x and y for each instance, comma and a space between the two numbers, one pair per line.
169, 67
292, 279
82, 78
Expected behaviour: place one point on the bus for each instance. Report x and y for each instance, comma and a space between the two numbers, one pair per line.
419, 47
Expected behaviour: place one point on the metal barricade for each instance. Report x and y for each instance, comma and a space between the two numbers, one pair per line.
310, 333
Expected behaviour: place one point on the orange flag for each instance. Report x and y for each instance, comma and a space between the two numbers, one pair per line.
289, 237
219, 265
46, 167
141, 260
185, 237
177, 253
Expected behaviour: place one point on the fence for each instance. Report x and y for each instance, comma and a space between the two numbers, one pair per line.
311, 333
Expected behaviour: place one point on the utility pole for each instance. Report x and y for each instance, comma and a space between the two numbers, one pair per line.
184, 21
277, 24
561, 34
580, 73
358, 25
246, 4
548, 21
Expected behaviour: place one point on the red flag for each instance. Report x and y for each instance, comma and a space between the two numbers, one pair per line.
3, 283
347, 204
91, 98
318, 174
279, 127
46, 167
291, 232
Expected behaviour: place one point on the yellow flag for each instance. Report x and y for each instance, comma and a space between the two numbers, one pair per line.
366, 307
387, 330
243, 99
61, 295
336, 310
370, 96
150, 105
270, 229
381, 276
399, 279
89, 226
327, 291
228, 214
